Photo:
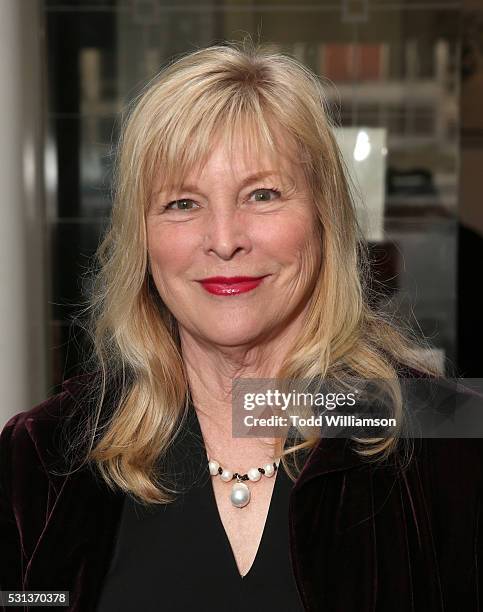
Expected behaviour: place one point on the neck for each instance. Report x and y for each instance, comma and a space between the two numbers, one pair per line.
211, 392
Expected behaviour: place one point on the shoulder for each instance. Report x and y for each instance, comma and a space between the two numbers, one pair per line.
51, 410
450, 442
443, 481
27, 441
451, 453
454, 462
441, 456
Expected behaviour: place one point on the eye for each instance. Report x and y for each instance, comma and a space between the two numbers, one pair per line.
168, 206
265, 191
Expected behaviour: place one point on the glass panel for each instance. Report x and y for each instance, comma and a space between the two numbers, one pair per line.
68, 344
73, 244
84, 157
82, 62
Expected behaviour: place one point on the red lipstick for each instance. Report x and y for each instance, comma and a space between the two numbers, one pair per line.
232, 285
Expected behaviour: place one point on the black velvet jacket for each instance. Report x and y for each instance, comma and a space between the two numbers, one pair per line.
362, 539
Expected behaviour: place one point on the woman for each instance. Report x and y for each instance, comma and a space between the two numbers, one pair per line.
128, 489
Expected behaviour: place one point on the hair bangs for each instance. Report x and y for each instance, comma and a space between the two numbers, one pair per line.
240, 122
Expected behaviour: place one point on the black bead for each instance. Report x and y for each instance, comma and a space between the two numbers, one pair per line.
235, 475
261, 470
220, 470
274, 466
245, 477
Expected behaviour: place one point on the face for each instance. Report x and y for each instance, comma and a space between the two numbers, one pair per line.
226, 222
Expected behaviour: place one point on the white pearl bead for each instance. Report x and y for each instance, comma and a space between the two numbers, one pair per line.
269, 470
240, 495
254, 474
226, 475
213, 465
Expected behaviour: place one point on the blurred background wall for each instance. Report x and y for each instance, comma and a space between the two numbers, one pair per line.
405, 76
25, 372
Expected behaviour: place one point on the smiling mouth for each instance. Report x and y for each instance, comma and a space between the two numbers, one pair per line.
231, 286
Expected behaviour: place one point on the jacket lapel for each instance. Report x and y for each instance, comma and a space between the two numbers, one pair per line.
323, 508
82, 515
361, 537
74, 550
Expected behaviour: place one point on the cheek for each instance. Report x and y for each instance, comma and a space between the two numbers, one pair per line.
166, 251
294, 239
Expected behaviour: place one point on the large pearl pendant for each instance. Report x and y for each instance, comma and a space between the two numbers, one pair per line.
240, 495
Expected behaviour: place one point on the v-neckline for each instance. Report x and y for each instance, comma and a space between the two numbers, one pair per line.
195, 428
266, 527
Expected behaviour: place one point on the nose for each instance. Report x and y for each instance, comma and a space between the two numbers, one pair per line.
227, 233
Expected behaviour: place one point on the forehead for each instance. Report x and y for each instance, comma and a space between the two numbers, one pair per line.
239, 157
238, 164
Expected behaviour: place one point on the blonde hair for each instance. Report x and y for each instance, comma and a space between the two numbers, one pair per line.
240, 90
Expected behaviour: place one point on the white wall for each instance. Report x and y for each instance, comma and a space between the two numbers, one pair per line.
23, 301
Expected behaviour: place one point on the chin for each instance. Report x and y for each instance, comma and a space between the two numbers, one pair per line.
233, 335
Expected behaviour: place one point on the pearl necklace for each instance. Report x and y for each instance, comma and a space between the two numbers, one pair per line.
240, 493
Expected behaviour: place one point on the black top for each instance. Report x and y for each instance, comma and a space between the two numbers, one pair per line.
177, 557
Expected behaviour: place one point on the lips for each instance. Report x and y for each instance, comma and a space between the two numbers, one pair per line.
233, 285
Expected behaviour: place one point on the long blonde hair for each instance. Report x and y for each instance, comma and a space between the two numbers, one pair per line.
240, 90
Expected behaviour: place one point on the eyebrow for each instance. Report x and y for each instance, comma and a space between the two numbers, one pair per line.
246, 181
